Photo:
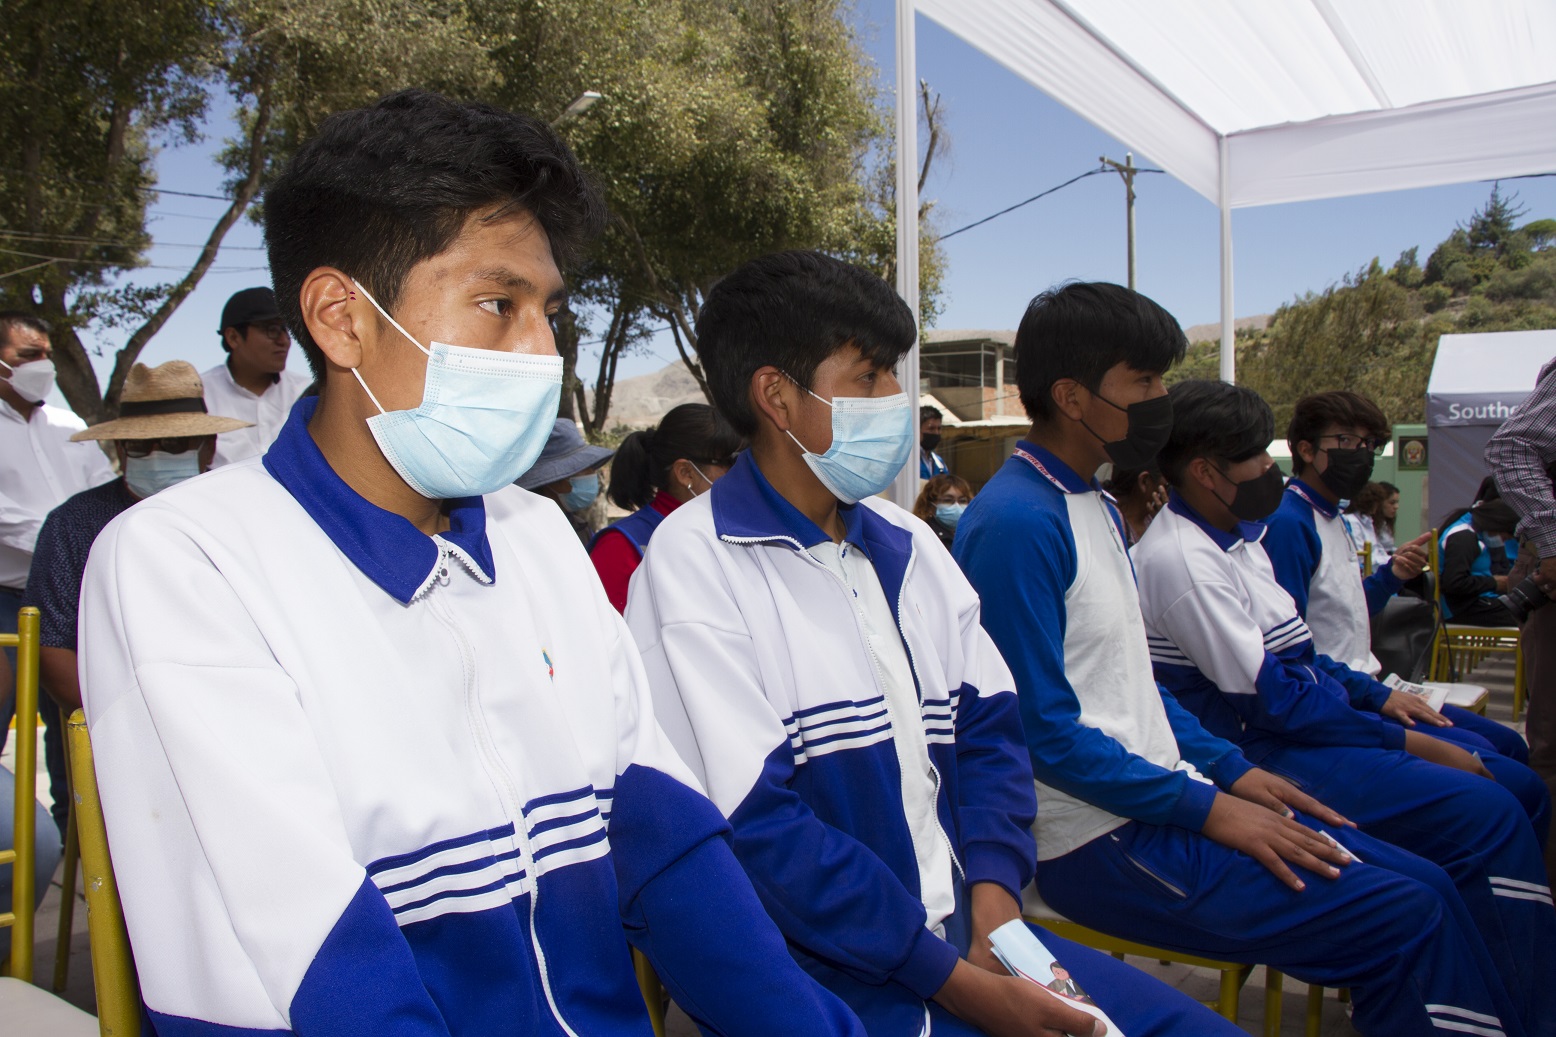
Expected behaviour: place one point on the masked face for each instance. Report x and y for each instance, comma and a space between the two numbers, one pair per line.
1348, 471
585, 488
1150, 423
872, 438
154, 472
485, 415
32, 381
1256, 499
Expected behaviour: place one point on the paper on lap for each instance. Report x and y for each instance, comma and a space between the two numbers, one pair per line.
1024, 954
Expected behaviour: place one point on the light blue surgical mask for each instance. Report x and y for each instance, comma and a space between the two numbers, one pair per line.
150, 475
872, 438
948, 515
585, 489
484, 417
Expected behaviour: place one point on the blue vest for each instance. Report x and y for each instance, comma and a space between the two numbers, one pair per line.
636, 527
1481, 566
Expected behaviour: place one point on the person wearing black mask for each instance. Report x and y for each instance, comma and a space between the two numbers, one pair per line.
930, 464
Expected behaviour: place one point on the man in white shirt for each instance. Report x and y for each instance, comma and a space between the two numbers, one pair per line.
254, 384
39, 466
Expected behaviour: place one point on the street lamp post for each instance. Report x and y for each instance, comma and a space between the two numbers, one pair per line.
582, 103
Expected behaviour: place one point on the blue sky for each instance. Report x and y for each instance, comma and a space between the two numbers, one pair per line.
1008, 141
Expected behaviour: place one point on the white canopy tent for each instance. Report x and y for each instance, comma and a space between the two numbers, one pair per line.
1267, 102
1478, 381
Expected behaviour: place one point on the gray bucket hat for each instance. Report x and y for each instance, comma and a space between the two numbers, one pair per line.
564, 456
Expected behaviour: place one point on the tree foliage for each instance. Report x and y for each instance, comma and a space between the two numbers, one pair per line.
1376, 331
90, 88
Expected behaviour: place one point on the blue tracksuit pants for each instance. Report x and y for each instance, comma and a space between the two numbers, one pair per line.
1472, 828
1392, 927
1506, 756
1141, 1005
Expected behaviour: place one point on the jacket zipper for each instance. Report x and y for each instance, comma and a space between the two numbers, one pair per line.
509, 791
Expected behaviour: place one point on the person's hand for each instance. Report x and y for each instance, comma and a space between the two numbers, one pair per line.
1501, 582
1410, 559
1010, 1006
1156, 501
1436, 750
992, 907
1272, 840
1545, 576
1278, 794
1408, 708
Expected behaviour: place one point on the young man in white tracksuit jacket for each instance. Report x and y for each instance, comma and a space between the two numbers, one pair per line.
817, 658
377, 756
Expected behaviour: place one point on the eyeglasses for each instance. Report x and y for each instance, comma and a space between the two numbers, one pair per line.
716, 462
167, 445
274, 330
1346, 441
948, 501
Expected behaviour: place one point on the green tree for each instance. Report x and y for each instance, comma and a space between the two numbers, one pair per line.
85, 116
729, 128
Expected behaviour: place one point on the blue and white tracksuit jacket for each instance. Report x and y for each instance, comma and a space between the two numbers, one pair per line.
1227, 640
753, 652
1313, 557
360, 780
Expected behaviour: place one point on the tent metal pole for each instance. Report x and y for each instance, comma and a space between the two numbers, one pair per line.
1228, 322
904, 491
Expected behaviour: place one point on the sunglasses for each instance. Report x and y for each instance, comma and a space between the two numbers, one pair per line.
168, 445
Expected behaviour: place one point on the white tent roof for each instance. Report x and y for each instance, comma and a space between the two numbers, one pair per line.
1315, 98
1499, 363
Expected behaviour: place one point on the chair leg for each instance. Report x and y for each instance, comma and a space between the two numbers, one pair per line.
653, 992
1315, 1011
67, 903
1231, 992
1273, 981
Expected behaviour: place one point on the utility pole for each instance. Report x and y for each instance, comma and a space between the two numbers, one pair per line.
1127, 170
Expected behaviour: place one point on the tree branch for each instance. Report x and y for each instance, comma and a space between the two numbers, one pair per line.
242, 197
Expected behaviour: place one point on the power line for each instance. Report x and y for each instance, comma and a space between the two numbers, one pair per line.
1035, 197
61, 178
76, 239
104, 262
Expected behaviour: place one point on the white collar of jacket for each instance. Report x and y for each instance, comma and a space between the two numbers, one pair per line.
747, 510
1247, 532
390, 551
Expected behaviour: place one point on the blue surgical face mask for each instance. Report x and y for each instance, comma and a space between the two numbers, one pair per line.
948, 515
872, 438
585, 489
150, 475
483, 419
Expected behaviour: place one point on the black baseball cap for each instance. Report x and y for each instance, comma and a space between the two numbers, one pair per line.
250, 306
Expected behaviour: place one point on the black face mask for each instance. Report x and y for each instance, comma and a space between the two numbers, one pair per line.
929, 441
1256, 499
1348, 471
1150, 423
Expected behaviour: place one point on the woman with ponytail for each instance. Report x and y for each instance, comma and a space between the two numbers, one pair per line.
654, 472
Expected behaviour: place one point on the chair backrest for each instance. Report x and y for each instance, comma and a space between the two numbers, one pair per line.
113, 964
22, 855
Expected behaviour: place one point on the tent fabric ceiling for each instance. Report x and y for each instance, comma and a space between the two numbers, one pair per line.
1317, 98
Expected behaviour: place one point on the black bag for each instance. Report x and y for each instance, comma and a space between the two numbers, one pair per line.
1402, 637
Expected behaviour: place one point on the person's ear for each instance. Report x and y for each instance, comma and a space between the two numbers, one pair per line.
233, 337
336, 316
683, 475
1307, 451
119, 452
772, 396
207, 453
1065, 394
1202, 472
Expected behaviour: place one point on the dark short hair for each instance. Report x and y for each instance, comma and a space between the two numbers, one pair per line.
928, 411
1229, 423
792, 310
641, 466
1082, 329
1124, 483
1312, 414
382, 188
11, 319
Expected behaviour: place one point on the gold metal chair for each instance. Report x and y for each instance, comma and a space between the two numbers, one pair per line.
113, 963
1460, 647
653, 991
27, 1009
